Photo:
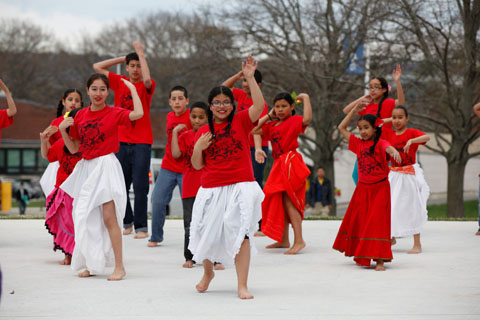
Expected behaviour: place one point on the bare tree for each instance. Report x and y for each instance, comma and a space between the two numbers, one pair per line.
303, 43
442, 38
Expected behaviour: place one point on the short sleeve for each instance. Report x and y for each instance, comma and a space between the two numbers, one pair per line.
247, 123
387, 108
5, 120
114, 80
122, 116
152, 88
354, 144
383, 145
52, 154
266, 129
300, 128
74, 133
415, 133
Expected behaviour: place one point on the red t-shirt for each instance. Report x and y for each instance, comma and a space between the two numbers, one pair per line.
399, 141
98, 130
371, 168
191, 178
244, 103
387, 107
67, 160
139, 131
57, 135
284, 136
228, 159
5, 120
168, 162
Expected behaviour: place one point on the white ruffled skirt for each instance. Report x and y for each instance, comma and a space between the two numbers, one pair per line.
221, 218
91, 184
49, 178
409, 202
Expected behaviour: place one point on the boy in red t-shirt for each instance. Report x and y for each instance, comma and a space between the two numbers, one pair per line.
170, 174
135, 140
6, 116
244, 101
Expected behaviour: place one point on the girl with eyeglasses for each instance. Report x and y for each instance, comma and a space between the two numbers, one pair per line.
228, 204
284, 190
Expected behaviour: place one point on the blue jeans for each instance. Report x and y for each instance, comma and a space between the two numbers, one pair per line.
161, 197
259, 172
135, 161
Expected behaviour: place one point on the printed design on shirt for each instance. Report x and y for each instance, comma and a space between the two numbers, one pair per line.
367, 162
406, 158
126, 101
69, 161
172, 126
225, 146
91, 134
276, 139
188, 156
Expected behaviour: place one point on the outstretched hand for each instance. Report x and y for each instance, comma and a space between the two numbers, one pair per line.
137, 46
397, 73
260, 155
396, 156
249, 67
407, 146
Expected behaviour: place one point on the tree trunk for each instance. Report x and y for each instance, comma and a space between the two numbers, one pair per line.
456, 174
328, 164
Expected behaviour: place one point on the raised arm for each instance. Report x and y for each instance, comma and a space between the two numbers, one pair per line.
307, 108
71, 144
230, 82
137, 111
342, 127
365, 99
197, 155
147, 81
102, 66
397, 73
44, 140
248, 69
12, 108
176, 152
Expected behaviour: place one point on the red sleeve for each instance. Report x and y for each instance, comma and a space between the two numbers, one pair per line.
123, 116
74, 134
52, 154
5, 120
238, 94
354, 144
114, 80
299, 124
389, 105
247, 123
266, 130
414, 133
383, 145
181, 142
152, 88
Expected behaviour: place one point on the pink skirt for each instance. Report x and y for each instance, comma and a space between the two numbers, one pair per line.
59, 221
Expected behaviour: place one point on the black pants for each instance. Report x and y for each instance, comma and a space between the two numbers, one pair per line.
187, 219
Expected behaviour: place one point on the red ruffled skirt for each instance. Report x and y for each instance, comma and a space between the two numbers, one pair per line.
288, 174
365, 231
59, 221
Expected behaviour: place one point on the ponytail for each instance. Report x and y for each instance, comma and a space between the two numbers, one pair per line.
60, 108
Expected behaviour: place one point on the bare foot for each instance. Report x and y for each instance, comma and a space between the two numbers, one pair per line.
296, 248
244, 294
188, 264
278, 245
152, 244
259, 234
218, 266
380, 266
128, 230
84, 274
393, 241
202, 286
118, 274
415, 250
141, 235
67, 261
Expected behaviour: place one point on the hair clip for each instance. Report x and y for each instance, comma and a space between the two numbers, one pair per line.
378, 123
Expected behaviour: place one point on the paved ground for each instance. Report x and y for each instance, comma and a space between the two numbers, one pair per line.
441, 283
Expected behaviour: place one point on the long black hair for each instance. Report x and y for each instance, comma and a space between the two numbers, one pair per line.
285, 96
404, 110
370, 118
213, 93
384, 85
60, 106
71, 114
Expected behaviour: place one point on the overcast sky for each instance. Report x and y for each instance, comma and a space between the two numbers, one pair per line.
69, 19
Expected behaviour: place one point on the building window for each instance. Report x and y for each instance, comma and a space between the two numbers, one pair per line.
21, 161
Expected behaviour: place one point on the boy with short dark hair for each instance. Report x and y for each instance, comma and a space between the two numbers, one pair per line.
170, 174
135, 140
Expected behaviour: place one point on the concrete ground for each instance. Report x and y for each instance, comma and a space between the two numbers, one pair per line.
441, 283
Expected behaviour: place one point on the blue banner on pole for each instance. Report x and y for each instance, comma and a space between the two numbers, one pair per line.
356, 63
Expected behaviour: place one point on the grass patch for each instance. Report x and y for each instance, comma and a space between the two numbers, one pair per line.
439, 211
